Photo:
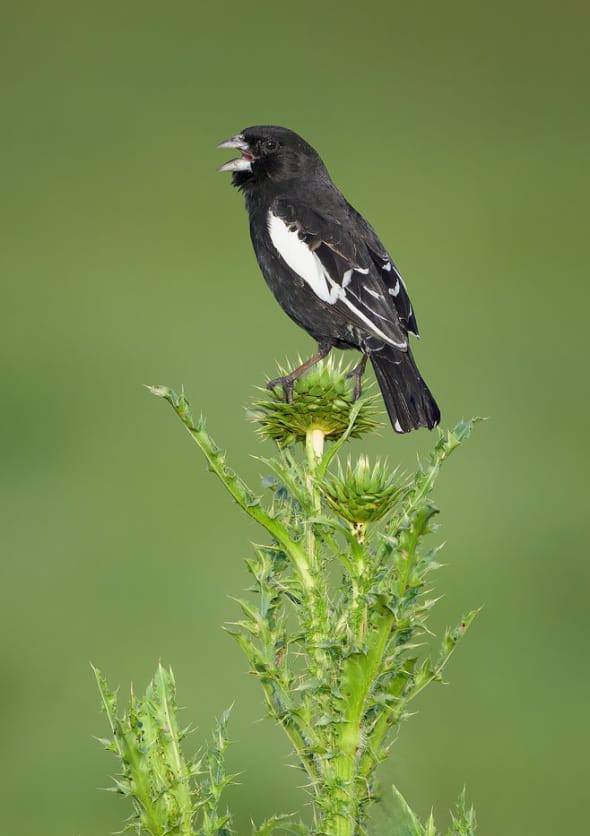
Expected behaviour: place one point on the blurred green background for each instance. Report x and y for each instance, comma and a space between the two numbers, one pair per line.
461, 131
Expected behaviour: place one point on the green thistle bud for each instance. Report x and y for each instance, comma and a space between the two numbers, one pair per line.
322, 399
362, 494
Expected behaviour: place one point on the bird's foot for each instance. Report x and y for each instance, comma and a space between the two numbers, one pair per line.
358, 373
287, 383
358, 386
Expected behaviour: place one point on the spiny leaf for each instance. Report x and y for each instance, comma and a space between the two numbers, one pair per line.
463, 819
284, 821
404, 821
156, 776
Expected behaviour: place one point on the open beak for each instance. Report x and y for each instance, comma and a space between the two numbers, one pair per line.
243, 163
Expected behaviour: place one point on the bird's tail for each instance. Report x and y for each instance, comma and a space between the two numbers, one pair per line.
408, 399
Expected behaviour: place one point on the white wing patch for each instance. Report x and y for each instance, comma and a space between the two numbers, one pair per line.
394, 290
306, 264
302, 260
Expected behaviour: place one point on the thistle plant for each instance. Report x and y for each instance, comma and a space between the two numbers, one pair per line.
338, 610
170, 794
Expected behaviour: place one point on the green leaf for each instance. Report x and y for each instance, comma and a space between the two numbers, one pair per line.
463, 819
404, 821
284, 822
430, 829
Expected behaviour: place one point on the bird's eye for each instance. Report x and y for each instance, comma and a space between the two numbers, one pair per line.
271, 145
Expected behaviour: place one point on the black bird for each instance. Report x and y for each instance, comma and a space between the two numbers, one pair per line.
328, 269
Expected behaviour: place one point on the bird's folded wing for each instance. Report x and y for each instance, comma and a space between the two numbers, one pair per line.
346, 267
396, 287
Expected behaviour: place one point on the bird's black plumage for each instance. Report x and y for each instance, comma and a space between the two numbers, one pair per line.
327, 267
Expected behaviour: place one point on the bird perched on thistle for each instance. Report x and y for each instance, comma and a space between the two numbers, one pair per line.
328, 269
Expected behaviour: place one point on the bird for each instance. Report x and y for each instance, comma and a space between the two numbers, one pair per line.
328, 269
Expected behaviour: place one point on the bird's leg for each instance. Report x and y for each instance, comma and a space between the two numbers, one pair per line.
358, 373
288, 381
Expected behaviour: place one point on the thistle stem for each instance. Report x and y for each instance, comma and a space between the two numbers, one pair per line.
314, 445
317, 598
242, 494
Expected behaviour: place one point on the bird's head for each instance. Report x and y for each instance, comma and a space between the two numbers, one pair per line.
270, 154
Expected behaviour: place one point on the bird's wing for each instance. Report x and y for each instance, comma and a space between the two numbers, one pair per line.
396, 287
340, 258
